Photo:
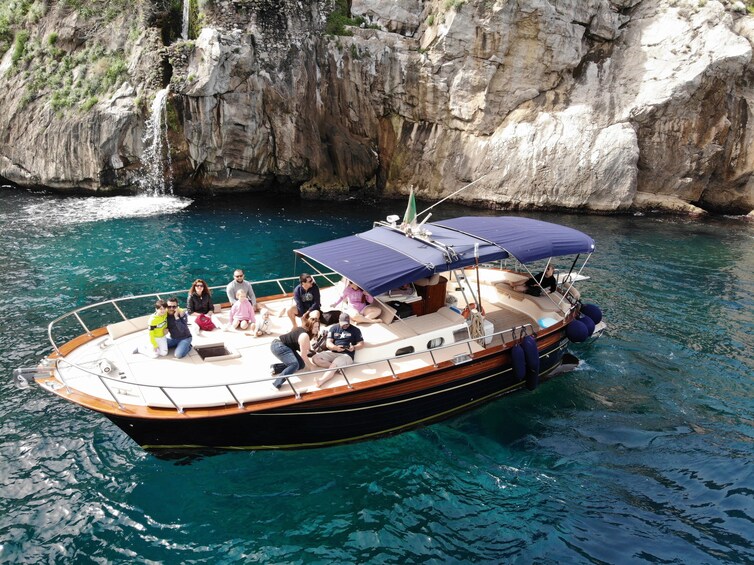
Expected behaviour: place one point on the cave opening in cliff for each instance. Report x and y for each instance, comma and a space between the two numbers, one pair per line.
166, 72
171, 24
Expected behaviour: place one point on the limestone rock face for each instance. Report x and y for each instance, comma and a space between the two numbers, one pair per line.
399, 16
601, 105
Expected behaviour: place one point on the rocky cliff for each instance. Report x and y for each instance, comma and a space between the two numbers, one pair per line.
598, 105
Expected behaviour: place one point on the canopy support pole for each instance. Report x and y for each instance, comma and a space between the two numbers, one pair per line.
316, 270
463, 283
478, 283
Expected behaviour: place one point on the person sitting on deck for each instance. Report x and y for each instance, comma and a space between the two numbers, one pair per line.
305, 297
238, 283
199, 301
242, 313
545, 280
343, 339
158, 327
180, 335
360, 307
264, 328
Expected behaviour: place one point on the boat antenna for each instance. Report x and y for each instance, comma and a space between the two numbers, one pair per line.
451, 195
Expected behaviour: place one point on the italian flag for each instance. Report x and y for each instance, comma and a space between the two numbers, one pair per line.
409, 218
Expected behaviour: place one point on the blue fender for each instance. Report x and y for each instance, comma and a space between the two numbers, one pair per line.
592, 311
531, 354
519, 362
589, 323
576, 331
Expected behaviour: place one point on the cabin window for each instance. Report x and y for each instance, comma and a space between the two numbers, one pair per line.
404, 351
434, 343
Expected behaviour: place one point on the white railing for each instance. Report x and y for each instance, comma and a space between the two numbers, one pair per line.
524, 329
114, 303
514, 333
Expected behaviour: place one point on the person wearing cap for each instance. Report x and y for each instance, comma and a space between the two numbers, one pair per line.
343, 339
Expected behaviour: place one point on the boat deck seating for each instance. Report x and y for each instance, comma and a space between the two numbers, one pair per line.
126, 327
503, 283
409, 327
242, 373
496, 276
520, 300
247, 360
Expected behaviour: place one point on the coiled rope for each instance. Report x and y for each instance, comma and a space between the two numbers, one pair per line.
476, 326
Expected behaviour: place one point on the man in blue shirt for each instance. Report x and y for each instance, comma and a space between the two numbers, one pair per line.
305, 297
343, 340
180, 335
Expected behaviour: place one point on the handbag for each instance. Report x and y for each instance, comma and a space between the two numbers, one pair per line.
205, 322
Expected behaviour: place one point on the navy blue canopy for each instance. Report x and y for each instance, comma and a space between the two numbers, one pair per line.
384, 258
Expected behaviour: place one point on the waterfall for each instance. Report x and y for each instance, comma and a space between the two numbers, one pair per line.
186, 16
157, 172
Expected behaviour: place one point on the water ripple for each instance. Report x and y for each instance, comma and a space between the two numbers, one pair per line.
641, 455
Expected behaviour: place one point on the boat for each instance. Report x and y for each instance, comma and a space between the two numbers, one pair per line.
458, 336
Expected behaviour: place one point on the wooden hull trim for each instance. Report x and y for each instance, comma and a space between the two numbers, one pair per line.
330, 396
355, 418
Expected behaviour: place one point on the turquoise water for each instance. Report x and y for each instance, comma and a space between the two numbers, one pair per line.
642, 455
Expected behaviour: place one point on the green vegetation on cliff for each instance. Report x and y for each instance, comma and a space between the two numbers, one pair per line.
79, 76
14, 16
69, 79
340, 18
102, 11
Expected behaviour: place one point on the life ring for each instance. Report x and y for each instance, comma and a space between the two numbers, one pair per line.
471, 306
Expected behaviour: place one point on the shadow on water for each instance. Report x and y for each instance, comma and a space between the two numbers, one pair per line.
182, 457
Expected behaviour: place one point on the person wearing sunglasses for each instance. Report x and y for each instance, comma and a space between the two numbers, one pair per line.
238, 283
199, 303
180, 335
306, 300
